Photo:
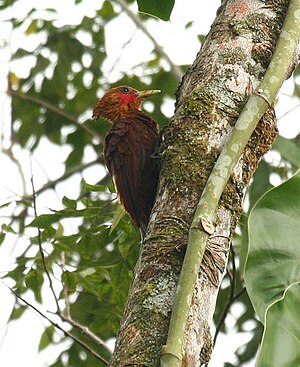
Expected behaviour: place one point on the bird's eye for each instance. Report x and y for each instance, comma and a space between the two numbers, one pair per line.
125, 90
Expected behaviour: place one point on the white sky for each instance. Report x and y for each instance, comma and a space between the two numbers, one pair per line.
19, 342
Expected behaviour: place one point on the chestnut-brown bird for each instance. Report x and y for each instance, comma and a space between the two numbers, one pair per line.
128, 151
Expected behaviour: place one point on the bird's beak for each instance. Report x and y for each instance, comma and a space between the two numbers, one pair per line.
147, 93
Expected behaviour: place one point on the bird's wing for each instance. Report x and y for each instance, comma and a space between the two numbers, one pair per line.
128, 146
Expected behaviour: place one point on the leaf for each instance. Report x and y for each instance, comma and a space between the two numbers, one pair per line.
44, 220
281, 341
86, 272
2, 237
41, 64
260, 183
67, 213
69, 280
13, 78
157, 8
21, 52
258, 188
51, 10
29, 114
63, 246
109, 259
107, 10
289, 149
7, 228
69, 203
86, 246
86, 282
119, 214
32, 28
96, 188
48, 233
201, 38
18, 272
249, 350
273, 262
74, 157
46, 337
17, 312
34, 280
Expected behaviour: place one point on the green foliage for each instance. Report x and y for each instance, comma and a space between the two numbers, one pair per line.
157, 8
272, 271
280, 345
46, 337
273, 245
289, 150
91, 265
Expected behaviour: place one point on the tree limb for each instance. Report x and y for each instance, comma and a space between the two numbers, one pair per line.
54, 109
66, 316
260, 100
66, 333
210, 98
85, 330
233, 296
40, 245
69, 172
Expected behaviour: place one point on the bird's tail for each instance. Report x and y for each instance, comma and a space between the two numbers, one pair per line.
143, 229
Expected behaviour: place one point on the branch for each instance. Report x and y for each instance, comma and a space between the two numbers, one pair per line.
232, 295
66, 333
175, 69
10, 154
86, 331
289, 111
40, 244
69, 172
67, 318
54, 109
258, 103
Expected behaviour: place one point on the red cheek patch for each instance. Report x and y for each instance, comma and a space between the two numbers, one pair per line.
127, 98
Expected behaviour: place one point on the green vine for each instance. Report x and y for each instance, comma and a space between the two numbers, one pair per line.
260, 100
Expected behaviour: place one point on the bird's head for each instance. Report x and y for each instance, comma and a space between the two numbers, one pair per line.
117, 102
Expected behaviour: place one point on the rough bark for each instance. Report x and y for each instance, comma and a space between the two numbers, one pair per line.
214, 90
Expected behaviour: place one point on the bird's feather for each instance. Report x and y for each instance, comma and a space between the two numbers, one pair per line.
128, 149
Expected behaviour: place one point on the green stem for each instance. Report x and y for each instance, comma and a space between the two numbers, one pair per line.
260, 100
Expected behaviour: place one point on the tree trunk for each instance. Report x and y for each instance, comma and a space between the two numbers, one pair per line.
230, 64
